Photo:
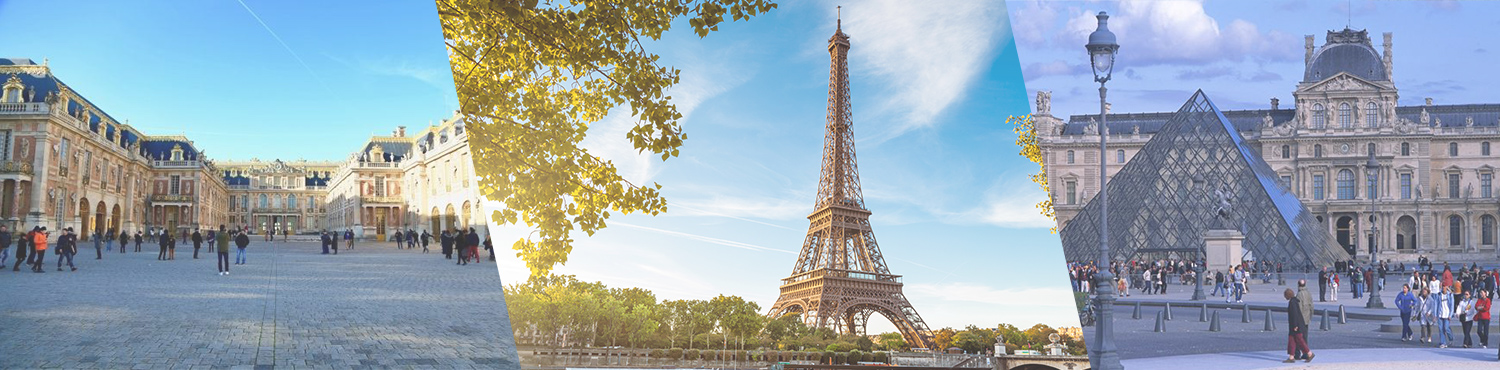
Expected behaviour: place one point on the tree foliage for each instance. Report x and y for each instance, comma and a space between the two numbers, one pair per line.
1026, 138
532, 76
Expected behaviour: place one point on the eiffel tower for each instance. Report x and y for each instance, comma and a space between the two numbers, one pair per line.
840, 278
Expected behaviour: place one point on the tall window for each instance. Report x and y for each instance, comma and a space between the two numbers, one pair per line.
62, 155
1318, 187
1344, 113
1484, 184
1484, 149
1455, 230
1487, 230
175, 184
291, 201
1372, 115
312, 203
264, 202
1072, 192
1452, 149
379, 186
1286, 181
1070, 157
1346, 184
1371, 190
1453, 185
1286, 152
1405, 149
1370, 149
1405, 186
1317, 150
1119, 158
1319, 117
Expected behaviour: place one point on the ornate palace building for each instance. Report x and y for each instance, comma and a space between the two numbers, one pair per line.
1432, 188
64, 162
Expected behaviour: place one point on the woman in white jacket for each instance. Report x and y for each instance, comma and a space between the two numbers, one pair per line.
1464, 310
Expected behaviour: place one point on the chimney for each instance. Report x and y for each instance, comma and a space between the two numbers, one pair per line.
1307, 59
400, 131
1275, 103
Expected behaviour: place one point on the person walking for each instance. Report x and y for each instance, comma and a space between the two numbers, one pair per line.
1304, 301
221, 244
425, 238
489, 246
461, 248
197, 243
240, 242
172, 245
124, 241
1405, 302
323, 241
161, 242
98, 244
23, 250
138, 241
4, 246
473, 241
333, 241
1465, 312
447, 241
348, 240
1443, 306
38, 248
1296, 342
67, 247
1482, 318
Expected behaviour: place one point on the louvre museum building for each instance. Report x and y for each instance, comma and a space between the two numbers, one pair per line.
1344, 173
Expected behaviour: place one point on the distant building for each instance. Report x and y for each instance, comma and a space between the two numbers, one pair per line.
64, 162
1434, 187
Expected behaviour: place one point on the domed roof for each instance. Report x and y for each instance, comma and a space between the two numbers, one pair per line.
1346, 51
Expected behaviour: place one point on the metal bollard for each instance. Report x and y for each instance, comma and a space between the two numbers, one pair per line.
1245, 313
1203, 315
1324, 325
1167, 313
1343, 318
1161, 323
1214, 325
1270, 323
1137, 313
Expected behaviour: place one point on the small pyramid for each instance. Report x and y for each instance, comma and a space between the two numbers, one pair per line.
1165, 198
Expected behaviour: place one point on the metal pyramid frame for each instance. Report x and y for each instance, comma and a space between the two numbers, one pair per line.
1167, 196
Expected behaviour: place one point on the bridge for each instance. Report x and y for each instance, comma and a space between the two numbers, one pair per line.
1041, 362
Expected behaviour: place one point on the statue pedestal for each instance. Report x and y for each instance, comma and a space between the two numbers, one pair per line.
1222, 249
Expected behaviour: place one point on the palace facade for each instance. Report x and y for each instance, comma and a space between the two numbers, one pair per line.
64, 162
1430, 192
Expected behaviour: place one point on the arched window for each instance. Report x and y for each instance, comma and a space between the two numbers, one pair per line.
1452, 149
1372, 115
1455, 230
1346, 184
1070, 157
1317, 150
1405, 149
1286, 152
1319, 117
1487, 230
264, 202
1120, 156
1344, 113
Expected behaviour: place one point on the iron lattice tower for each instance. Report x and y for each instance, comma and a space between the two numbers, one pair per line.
840, 278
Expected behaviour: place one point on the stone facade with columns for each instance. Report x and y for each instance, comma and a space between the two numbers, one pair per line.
1433, 190
64, 162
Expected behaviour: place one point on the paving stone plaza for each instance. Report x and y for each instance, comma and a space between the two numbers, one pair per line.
1368, 336
289, 307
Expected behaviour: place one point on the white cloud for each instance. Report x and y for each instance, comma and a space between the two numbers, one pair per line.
1179, 32
928, 53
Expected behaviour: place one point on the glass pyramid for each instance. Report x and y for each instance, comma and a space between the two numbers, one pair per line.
1167, 196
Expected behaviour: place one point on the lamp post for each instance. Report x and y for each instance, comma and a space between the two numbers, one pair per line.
1102, 48
1373, 168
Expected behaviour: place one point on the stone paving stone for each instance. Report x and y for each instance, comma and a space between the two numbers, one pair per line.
291, 307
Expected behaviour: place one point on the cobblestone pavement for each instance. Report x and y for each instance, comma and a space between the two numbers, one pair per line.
289, 307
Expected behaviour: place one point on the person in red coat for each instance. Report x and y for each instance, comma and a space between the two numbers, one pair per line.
1482, 317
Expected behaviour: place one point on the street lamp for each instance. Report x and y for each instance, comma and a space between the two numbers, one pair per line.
1372, 167
1102, 48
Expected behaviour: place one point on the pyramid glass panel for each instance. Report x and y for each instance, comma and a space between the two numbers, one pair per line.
1167, 196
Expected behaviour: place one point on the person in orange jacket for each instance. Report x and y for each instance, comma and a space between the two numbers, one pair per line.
39, 248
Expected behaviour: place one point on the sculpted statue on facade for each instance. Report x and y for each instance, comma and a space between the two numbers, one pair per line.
1043, 103
1092, 128
1425, 119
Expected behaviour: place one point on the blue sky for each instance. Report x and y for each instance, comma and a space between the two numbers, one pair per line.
210, 70
931, 87
1244, 53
